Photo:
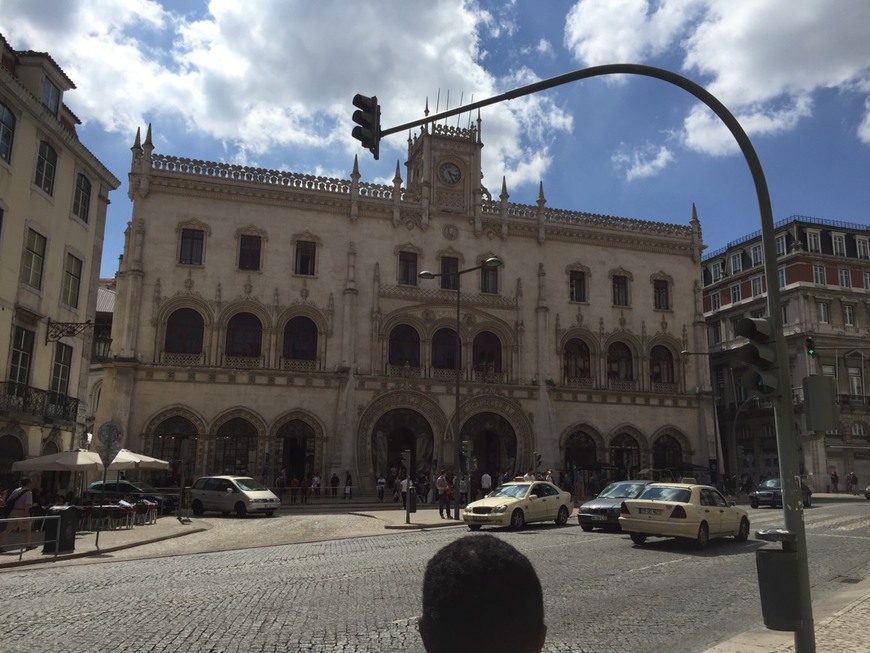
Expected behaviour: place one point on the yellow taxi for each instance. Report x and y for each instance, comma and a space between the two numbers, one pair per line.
518, 503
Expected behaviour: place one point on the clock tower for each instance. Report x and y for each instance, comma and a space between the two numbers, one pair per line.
444, 168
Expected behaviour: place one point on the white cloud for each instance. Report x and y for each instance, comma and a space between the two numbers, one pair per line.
864, 127
642, 163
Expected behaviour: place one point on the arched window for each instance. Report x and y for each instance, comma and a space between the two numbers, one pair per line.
184, 330
667, 453
487, 352
444, 349
300, 339
235, 448
577, 359
244, 335
7, 132
404, 346
619, 363
625, 455
174, 441
661, 365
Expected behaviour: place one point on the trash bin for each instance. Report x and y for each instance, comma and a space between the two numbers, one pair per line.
60, 534
779, 588
412, 497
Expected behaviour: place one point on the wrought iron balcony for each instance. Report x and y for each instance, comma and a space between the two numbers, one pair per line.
24, 400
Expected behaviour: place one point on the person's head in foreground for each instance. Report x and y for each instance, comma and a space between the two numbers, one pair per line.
481, 595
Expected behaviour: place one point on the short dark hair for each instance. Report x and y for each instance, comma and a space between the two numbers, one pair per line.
484, 580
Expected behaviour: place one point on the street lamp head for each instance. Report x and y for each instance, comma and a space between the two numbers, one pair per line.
492, 262
425, 274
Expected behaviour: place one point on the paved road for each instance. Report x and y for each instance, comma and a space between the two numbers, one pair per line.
362, 593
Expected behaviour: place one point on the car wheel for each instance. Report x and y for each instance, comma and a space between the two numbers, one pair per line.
197, 508
562, 517
586, 527
743, 531
638, 538
753, 503
241, 510
703, 537
518, 520
474, 527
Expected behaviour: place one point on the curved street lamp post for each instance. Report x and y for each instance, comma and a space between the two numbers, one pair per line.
491, 263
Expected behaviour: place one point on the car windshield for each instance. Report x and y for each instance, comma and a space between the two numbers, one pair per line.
515, 491
679, 494
142, 485
250, 484
622, 490
771, 483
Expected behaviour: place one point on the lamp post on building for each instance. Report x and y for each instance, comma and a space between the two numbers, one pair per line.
491, 263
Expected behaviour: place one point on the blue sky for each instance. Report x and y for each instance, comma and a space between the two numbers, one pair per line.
269, 84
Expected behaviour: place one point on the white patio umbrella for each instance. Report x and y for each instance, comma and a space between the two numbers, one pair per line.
126, 459
77, 460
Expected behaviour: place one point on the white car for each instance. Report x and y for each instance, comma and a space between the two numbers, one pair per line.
518, 503
687, 510
226, 494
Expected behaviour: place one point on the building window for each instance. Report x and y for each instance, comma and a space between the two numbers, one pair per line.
305, 257
714, 333
244, 335
192, 241
46, 165
858, 429
867, 281
300, 339
619, 363
489, 280
7, 132
715, 301
814, 242
60, 369
661, 295
577, 282
732, 326
620, 290
444, 349
780, 277
839, 243
784, 312
848, 315
486, 350
22, 355
736, 295
82, 198
755, 253
756, 286
661, 365
408, 268
404, 346
72, 281
184, 331
845, 278
861, 246
856, 387
34, 259
819, 274
736, 263
449, 272
780, 245
716, 271
822, 313
249, 252
50, 95
577, 360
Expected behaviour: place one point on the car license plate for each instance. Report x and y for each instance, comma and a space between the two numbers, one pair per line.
478, 518
598, 517
649, 511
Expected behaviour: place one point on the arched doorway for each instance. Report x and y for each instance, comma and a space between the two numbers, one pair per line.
234, 450
667, 453
297, 441
11, 451
625, 455
580, 452
394, 432
493, 445
175, 441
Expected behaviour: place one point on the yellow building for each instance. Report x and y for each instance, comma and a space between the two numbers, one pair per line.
267, 321
53, 199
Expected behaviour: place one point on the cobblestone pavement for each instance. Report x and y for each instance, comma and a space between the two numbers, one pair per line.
349, 590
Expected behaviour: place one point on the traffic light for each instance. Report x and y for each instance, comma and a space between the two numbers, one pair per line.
811, 346
368, 120
759, 354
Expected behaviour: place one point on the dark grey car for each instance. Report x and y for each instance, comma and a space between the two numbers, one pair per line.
603, 510
769, 493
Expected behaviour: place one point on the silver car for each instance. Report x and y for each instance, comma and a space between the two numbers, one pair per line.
226, 494
603, 510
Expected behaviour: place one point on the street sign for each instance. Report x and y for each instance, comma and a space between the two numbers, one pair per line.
109, 437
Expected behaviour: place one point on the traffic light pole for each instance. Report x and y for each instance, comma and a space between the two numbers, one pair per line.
786, 436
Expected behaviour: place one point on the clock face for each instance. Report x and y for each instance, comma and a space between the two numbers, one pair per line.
450, 173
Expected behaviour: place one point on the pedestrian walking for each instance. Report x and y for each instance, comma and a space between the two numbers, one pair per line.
306, 488
315, 484
348, 486
382, 486
17, 506
333, 483
485, 483
835, 481
854, 481
404, 490
441, 486
294, 489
